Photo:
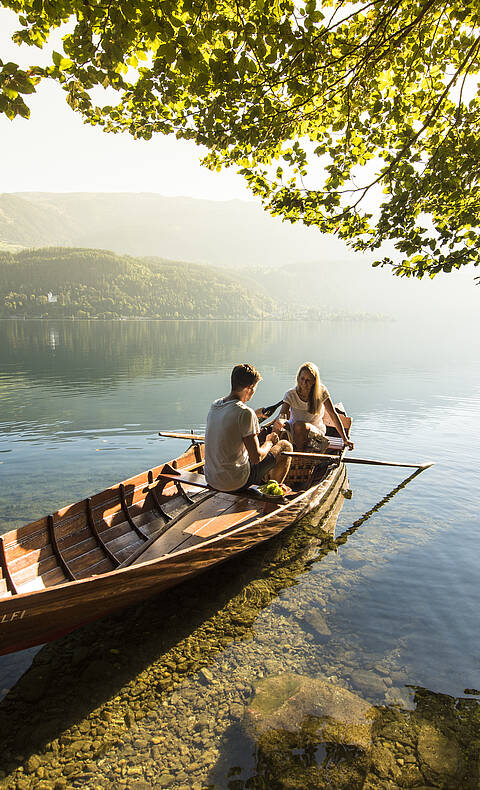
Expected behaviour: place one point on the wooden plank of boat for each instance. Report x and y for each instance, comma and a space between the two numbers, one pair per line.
96, 539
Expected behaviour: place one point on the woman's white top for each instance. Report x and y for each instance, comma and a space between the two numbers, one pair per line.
299, 410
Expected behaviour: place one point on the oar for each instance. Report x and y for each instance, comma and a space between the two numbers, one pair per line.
320, 457
173, 435
316, 456
195, 437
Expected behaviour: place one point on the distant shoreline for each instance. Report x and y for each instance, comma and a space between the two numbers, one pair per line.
346, 319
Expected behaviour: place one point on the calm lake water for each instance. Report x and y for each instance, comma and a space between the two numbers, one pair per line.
157, 697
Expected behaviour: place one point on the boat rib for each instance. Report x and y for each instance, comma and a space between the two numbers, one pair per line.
6, 578
100, 540
127, 514
58, 554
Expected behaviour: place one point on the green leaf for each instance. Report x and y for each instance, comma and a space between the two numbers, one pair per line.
60, 62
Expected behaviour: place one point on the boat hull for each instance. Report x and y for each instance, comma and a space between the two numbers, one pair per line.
33, 618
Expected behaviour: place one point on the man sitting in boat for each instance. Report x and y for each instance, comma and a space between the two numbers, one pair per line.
234, 457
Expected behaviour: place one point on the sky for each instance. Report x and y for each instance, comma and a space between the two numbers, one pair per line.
54, 151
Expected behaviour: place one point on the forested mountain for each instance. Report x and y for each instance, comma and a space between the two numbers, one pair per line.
62, 282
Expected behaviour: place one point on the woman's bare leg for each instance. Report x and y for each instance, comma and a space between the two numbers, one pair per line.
303, 432
300, 435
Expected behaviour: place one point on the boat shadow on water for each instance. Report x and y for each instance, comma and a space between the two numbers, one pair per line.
92, 703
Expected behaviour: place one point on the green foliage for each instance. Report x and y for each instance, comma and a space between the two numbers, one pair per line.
380, 97
100, 284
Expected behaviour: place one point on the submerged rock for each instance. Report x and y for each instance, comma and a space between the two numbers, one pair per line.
439, 756
310, 733
383, 761
205, 675
399, 697
369, 682
317, 623
286, 701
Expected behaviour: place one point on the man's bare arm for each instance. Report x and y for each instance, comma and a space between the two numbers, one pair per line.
257, 452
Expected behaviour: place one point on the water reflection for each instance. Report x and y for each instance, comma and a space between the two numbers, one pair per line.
132, 378
125, 349
358, 354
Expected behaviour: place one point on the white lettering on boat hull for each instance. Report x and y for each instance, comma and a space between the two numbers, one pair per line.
9, 618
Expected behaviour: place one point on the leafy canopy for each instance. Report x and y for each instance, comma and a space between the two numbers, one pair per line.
360, 118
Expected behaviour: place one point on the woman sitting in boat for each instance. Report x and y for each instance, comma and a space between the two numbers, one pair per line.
303, 410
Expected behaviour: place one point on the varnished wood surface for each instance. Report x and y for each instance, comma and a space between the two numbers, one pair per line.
239, 512
219, 513
47, 605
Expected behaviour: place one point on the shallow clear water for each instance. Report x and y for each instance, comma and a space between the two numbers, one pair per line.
81, 404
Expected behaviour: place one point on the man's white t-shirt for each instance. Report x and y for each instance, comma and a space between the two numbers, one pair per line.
227, 466
299, 410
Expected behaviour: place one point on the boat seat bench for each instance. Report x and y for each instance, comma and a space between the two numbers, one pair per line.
196, 479
179, 476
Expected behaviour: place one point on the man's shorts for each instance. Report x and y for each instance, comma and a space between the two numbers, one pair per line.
258, 471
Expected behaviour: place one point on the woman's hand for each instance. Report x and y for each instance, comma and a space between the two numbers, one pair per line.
349, 444
273, 438
260, 415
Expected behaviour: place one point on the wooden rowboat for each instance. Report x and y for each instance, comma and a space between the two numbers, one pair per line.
137, 538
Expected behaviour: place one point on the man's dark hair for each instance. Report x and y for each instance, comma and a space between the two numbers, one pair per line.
244, 375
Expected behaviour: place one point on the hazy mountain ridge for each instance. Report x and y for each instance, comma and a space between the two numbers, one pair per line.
29, 224
224, 233
232, 234
327, 287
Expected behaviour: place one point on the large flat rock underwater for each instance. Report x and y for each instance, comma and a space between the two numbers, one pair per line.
309, 732
312, 733
286, 701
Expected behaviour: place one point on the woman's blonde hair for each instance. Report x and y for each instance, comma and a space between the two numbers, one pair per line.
316, 396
